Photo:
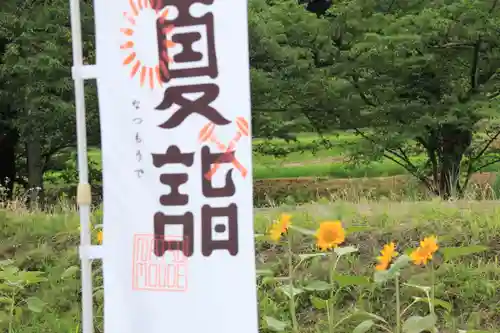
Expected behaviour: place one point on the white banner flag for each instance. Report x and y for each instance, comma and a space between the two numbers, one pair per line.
175, 119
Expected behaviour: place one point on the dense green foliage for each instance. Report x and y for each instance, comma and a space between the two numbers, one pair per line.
409, 78
36, 90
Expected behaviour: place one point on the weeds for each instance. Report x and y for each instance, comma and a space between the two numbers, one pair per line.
13, 301
352, 298
390, 269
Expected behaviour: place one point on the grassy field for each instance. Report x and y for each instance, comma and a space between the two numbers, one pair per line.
327, 162
320, 163
467, 287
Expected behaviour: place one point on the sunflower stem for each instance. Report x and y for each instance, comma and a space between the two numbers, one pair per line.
398, 305
291, 304
433, 288
334, 259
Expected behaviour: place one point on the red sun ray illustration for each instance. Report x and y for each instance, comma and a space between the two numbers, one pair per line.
151, 78
148, 74
143, 75
135, 68
127, 45
127, 32
133, 7
129, 59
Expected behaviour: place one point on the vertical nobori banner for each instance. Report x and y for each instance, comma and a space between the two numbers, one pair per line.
174, 100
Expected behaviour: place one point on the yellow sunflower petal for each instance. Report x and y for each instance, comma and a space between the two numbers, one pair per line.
387, 253
382, 266
285, 222
275, 233
430, 244
420, 256
330, 234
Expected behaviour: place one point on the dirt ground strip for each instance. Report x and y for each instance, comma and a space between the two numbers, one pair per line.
482, 178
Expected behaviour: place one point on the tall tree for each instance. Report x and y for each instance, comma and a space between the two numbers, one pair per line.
35, 69
282, 48
427, 76
409, 77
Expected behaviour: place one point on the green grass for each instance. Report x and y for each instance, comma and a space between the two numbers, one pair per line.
321, 163
332, 170
310, 137
471, 284
337, 149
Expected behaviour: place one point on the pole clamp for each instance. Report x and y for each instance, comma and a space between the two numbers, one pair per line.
83, 195
84, 72
90, 252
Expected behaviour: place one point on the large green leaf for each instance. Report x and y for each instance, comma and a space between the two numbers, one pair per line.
418, 324
69, 272
364, 314
286, 290
10, 273
275, 324
31, 277
6, 287
364, 327
318, 303
317, 285
6, 262
450, 253
307, 256
381, 276
35, 304
351, 280
345, 250
435, 302
400, 263
99, 294
4, 317
264, 272
5, 300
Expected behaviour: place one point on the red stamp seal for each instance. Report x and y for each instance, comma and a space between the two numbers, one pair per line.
165, 273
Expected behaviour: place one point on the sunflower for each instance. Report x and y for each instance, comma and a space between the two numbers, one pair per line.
280, 227
99, 237
428, 246
330, 234
387, 253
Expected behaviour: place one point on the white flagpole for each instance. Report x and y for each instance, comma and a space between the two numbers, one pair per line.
83, 195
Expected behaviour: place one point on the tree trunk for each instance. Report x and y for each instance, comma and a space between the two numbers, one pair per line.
8, 141
35, 171
454, 142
